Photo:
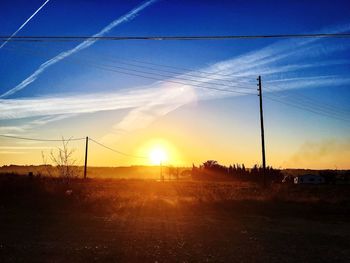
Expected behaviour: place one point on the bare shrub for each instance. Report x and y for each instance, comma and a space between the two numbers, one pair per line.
63, 161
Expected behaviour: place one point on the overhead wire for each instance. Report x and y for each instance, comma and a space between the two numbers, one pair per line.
273, 96
171, 38
311, 104
70, 139
192, 72
315, 109
180, 70
298, 95
40, 139
151, 75
305, 108
175, 77
117, 151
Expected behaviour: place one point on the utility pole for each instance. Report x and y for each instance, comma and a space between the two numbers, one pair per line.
262, 129
86, 155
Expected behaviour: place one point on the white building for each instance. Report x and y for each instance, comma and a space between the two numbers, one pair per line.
309, 179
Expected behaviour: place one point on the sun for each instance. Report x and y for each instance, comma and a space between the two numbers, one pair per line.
158, 155
159, 151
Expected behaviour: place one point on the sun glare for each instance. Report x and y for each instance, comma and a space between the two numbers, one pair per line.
158, 155
159, 151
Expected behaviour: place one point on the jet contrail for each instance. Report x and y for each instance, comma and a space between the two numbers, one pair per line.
125, 18
30, 18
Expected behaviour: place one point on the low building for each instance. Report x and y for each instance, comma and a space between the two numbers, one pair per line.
309, 179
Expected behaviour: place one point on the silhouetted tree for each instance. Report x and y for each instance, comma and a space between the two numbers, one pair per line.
236, 171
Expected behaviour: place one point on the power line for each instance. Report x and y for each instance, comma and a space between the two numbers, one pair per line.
191, 72
116, 151
41, 140
178, 82
71, 139
311, 104
199, 83
323, 105
299, 104
160, 38
180, 70
110, 67
151, 75
268, 96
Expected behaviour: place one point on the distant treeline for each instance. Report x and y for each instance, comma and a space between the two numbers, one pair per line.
212, 170
128, 172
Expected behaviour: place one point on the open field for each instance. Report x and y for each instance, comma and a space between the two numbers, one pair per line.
185, 221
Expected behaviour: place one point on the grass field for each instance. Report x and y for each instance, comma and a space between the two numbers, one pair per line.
185, 221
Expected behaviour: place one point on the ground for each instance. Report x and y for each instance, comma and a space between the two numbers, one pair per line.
149, 221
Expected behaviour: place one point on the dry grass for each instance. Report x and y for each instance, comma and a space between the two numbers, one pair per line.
185, 221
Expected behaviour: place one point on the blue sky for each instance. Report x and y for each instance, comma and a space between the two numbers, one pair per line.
141, 107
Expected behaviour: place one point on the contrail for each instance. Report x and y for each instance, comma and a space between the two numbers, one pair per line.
125, 18
30, 18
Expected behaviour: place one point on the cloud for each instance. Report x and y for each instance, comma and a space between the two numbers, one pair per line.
87, 43
23, 128
169, 100
123, 99
147, 103
266, 61
23, 25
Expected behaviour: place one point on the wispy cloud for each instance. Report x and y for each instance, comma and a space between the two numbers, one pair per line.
23, 25
268, 61
23, 128
273, 56
87, 43
148, 103
123, 99
171, 98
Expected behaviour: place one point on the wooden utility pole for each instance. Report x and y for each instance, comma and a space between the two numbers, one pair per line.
262, 129
86, 155
161, 171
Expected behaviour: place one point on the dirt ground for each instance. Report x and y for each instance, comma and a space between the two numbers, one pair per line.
147, 221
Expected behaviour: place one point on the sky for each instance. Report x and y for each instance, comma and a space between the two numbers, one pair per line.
196, 100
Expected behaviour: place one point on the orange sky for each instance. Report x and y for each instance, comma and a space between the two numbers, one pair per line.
187, 140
